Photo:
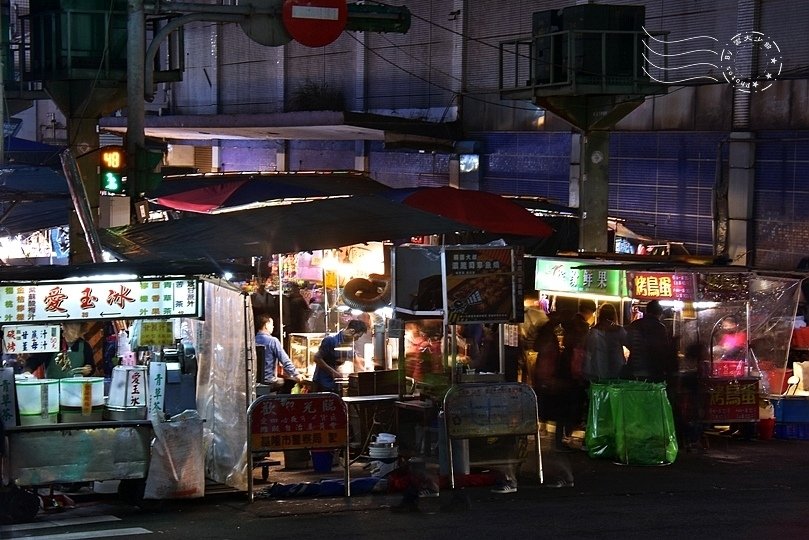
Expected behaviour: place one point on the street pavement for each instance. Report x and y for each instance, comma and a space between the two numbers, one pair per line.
720, 465
731, 489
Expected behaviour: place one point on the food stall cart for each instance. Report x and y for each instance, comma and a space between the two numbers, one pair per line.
435, 289
718, 384
566, 280
202, 312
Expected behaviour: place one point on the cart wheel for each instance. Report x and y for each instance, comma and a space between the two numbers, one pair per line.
265, 472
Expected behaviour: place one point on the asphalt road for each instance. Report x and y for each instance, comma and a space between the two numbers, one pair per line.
733, 489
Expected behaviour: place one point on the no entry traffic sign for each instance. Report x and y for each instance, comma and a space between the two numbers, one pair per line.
315, 23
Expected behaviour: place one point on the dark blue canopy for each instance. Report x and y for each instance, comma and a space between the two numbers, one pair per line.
32, 198
27, 152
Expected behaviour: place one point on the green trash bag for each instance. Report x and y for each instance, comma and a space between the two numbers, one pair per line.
632, 422
599, 437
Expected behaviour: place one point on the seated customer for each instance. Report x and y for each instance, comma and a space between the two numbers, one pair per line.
273, 354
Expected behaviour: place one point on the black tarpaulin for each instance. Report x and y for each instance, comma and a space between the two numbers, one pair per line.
304, 226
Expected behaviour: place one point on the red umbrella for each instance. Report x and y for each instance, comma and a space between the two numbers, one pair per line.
486, 211
237, 191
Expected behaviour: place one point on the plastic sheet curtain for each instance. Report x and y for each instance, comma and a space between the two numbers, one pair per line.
222, 344
764, 307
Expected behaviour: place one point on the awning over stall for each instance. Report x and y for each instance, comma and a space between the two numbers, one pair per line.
483, 210
305, 226
161, 268
228, 192
32, 198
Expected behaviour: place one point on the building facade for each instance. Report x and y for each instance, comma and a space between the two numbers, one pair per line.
707, 162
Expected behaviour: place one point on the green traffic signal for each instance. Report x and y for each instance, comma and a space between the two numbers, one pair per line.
113, 182
112, 168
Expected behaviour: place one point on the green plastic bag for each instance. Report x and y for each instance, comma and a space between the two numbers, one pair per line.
632, 422
600, 433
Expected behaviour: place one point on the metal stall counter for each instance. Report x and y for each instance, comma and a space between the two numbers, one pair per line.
136, 424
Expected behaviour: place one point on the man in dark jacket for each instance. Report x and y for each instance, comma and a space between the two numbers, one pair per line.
651, 352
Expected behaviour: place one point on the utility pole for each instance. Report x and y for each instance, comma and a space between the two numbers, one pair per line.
136, 110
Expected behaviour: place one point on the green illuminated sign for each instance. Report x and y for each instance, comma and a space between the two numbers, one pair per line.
567, 276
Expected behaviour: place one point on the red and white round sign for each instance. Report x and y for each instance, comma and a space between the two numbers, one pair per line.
315, 23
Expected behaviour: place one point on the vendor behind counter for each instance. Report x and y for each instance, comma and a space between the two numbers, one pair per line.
75, 357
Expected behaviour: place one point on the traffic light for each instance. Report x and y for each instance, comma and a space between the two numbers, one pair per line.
112, 169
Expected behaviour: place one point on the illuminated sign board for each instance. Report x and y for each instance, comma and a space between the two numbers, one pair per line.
564, 276
481, 285
661, 286
125, 299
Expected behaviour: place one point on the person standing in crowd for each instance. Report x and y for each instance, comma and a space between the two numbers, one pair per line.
274, 355
550, 385
75, 358
651, 353
296, 312
327, 359
605, 346
490, 350
552, 396
473, 335
534, 319
574, 352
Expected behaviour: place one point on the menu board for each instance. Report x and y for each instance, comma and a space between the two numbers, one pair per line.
481, 285
156, 333
31, 338
298, 422
125, 299
488, 410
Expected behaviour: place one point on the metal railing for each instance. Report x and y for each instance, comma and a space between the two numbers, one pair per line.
563, 59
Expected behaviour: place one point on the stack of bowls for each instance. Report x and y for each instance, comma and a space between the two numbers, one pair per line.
384, 447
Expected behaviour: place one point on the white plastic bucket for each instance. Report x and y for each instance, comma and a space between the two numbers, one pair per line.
81, 391
38, 401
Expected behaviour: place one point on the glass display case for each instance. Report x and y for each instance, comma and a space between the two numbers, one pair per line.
303, 347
